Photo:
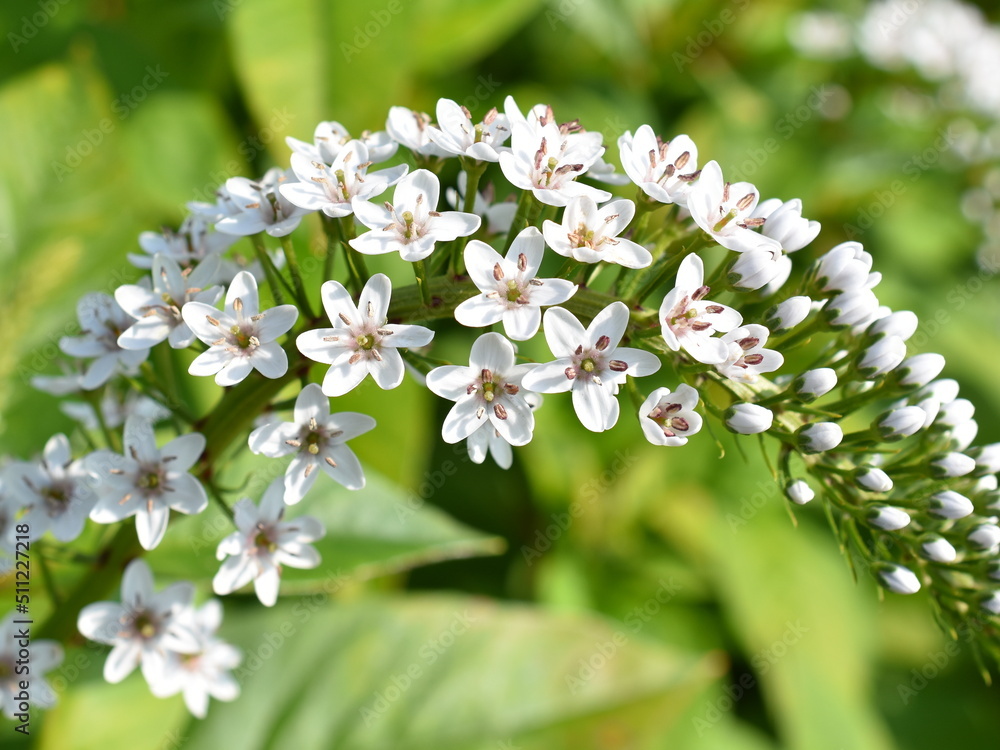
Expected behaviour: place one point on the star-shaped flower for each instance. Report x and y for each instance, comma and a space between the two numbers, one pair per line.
747, 355
488, 391
590, 363
508, 288
725, 211
205, 673
192, 243
590, 234
688, 320
263, 543
663, 170
413, 130
157, 313
362, 342
147, 481
330, 137
102, 321
317, 439
262, 205
241, 338
669, 418
487, 440
412, 224
457, 134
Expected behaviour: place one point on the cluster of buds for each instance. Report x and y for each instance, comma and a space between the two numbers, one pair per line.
628, 297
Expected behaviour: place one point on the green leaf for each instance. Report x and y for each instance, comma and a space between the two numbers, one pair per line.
445, 673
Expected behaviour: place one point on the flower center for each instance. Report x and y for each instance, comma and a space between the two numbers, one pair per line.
263, 541
366, 341
721, 223
243, 339
588, 365
313, 440
151, 480
145, 625
513, 291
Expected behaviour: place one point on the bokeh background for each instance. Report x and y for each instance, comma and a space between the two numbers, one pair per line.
608, 594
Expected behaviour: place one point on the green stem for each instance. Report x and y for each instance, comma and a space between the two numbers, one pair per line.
111, 438
474, 170
423, 282
642, 284
274, 278
527, 212
293, 268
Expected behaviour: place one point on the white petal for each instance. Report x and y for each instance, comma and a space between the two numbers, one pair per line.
270, 360
595, 406
151, 525
387, 373
276, 322
563, 332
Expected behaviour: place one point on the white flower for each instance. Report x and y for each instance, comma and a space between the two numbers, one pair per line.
755, 269
748, 419
331, 189
902, 324
888, 517
115, 407
330, 137
669, 418
747, 356
786, 315
881, 357
205, 672
663, 170
937, 548
498, 216
784, 223
991, 603
799, 492
102, 321
818, 437
853, 308
985, 536
949, 504
508, 288
412, 225
845, 268
602, 171
896, 578
688, 320
590, 363
191, 244
157, 313
987, 458
146, 627
362, 342
147, 481
487, 440
873, 479
920, 369
812, 384
955, 412
724, 211
317, 439
589, 234
263, 543
56, 492
546, 158
45, 655
413, 130
262, 205
950, 465
242, 337
897, 424
457, 134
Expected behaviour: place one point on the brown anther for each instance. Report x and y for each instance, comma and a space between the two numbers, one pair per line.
377, 355
616, 365
331, 338
345, 319
700, 326
500, 411
252, 205
470, 389
689, 177
673, 408
212, 320
497, 272
714, 309
751, 223
570, 373
700, 292
331, 462
603, 343
746, 201
511, 389
753, 359
125, 499
293, 443
748, 343
355, 358
725, 192
579, 350
384, 332
486, 375
522, 262
480, 412
679, 423
309, 469
682, 160
536, 282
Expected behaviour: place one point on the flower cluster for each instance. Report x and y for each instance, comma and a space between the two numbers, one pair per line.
617, 287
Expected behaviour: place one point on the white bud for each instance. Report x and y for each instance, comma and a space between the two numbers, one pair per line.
786, 225
888, 517
935, 547
920, 369
994, 570
748, 419
955, 412
952, 465
987, 483
944, 390
819, 436
882, 357
991, 603
986, 536
799, 492
931, 407
902, 323
812, 384
949, 504
786, 315
987, 459
873, 479
897, 424
852, 308
961, 436
896, 578
754, 269
784, 263
844, 268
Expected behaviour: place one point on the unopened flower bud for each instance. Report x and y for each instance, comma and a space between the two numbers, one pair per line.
985, 536
882, 357
873, 479
843, 268
944, 390
896, 578
819, 436
786, 225
935, 547
993, 571
952, 465
812, 384
851, 308
955, 412
888, 517
753, 269
799, 492
920, 369
748, 419
788, 314
985, 484
987, 458
902, 323
991, 603
961, 436
950, 504
897, 424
